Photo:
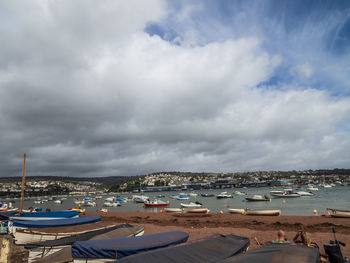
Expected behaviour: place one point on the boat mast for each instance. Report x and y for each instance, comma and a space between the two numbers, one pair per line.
23, 181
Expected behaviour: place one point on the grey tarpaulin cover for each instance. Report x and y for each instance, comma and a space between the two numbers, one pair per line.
122, 247
211, 249
276, 253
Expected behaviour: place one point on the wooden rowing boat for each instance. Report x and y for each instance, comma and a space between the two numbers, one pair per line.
197, 210
236, 211
263, 212
338, 212
172, 210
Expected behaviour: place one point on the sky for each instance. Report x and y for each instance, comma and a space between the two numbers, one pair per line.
112, 88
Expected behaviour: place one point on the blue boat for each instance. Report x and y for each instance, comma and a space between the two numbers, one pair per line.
55, 222
58, 214
117, 248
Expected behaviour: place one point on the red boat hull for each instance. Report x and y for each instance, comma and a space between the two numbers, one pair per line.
156, 205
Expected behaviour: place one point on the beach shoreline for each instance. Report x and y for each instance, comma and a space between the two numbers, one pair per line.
260, 229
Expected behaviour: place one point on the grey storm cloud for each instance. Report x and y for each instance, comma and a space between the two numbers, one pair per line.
84, 91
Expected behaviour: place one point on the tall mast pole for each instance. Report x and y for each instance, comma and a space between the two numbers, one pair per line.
23, 181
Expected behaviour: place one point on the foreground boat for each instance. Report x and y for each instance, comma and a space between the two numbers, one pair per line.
338, 212
34, 235
211, 249
50, 251
263, 212
116, 248
277, 253
22, 224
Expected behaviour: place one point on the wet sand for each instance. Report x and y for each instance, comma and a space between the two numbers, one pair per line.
263, 228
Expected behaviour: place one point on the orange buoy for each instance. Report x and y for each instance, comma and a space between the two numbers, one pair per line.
315, 212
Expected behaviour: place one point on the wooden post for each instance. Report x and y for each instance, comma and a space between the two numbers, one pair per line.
23, 181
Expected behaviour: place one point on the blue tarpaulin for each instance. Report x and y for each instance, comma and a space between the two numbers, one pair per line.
63, 214
56, 222
121, 247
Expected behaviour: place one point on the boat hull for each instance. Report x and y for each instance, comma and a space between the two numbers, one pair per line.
156, 205
338, 213
197, 210
263, 212
236, 211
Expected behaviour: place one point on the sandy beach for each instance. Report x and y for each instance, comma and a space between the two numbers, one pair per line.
262, 228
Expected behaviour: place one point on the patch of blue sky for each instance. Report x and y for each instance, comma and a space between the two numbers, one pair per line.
312, 37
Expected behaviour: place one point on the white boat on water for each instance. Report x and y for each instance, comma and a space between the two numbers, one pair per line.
223, 195
286, 195
304, 193
58, 202
263, 212
182, 197
312, 188
197, 210
338, 212
172, 210
327, 186
193, 194
258, 198
190, 205
236, 211
239, 193
111, 204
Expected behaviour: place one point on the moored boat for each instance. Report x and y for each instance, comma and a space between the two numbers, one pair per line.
263, 212
288, 194
156, 203
338, 212
223, 195
258, 198
207, 195
191, 205
304, 193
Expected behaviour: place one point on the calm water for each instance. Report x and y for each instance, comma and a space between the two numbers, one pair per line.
335, 197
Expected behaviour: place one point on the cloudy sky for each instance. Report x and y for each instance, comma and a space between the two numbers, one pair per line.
103, 88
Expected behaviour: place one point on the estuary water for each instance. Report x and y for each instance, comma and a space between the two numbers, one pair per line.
335, 197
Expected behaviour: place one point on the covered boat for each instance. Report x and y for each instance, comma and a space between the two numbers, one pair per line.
60, 250
122, 247
304, 193
277, 253
236, 211
338, 212
156, 203
58, 214
210, 249
182, 197
15, 224
256, 198
269, 212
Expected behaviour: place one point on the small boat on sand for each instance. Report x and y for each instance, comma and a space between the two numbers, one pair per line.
263, 212
236, 211
197, 210
172, 210
338, 212
258, 198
